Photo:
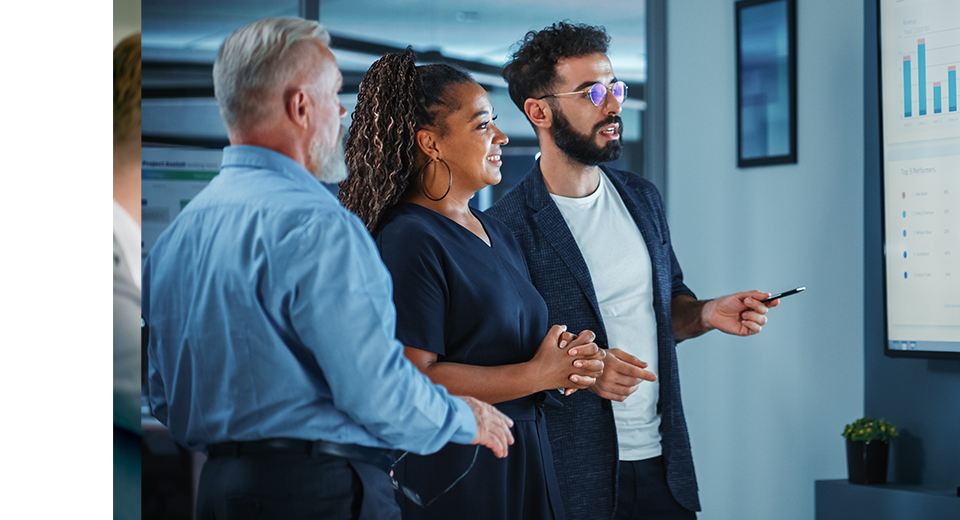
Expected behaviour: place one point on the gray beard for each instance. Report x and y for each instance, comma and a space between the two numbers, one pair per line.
328, 167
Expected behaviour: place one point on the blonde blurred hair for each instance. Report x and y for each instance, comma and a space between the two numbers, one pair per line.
126, 92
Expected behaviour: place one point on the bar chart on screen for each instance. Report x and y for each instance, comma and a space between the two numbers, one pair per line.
922, 70
920, 55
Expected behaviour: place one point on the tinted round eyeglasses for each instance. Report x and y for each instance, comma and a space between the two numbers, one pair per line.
597, 92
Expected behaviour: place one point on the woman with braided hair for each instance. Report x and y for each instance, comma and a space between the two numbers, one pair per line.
422, 143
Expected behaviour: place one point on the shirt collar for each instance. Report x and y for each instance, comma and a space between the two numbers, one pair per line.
255, 157
539, 197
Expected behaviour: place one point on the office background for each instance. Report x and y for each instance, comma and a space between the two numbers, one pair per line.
766, 412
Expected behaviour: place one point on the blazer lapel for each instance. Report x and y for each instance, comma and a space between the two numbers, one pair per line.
553, 228
653, 237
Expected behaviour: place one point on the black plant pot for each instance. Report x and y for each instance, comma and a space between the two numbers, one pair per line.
867, 461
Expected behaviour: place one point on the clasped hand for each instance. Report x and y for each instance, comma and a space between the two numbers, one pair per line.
621, 376
567, 361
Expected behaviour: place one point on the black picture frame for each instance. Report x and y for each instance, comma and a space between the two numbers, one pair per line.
766, 50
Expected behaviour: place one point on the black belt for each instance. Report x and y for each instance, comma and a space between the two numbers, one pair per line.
525, 408
376, 456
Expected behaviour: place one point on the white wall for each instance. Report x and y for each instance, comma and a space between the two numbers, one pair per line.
765, 413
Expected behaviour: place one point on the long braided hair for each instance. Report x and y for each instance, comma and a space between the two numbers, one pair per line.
396, 99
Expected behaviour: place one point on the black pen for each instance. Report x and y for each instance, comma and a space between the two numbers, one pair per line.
781, 295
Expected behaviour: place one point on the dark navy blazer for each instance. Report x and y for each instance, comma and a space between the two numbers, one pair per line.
582, 432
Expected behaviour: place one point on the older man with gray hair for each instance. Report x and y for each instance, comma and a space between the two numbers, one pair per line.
272, 342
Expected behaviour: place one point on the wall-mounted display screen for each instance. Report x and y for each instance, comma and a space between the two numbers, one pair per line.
919, 57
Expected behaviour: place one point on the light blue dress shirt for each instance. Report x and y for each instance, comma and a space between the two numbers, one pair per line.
271, 315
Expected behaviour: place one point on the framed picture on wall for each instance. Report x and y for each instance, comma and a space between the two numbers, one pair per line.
766, 82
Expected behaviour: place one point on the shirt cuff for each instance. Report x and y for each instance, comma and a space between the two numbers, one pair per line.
467, 423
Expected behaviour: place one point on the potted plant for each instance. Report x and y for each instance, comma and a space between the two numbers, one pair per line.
868, 448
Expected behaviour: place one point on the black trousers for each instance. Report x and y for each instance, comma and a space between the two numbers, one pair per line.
290, 486
643, 494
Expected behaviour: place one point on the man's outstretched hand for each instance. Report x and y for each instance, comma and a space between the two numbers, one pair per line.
740, 314
493, 427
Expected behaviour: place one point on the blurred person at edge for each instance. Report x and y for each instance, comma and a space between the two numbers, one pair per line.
126, 278
272, 343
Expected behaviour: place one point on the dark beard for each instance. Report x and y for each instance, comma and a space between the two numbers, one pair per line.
584, 149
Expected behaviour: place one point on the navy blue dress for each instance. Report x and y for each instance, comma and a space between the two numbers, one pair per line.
473, 304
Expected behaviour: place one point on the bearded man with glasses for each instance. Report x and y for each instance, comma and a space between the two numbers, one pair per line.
622, 447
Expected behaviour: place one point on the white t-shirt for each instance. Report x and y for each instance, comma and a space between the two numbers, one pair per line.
619, 265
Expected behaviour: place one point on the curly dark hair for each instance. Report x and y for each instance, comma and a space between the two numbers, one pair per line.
396, 99
532, 70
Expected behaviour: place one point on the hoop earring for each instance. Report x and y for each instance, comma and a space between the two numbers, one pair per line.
423, 186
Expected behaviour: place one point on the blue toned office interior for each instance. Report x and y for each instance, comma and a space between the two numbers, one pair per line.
765, 413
